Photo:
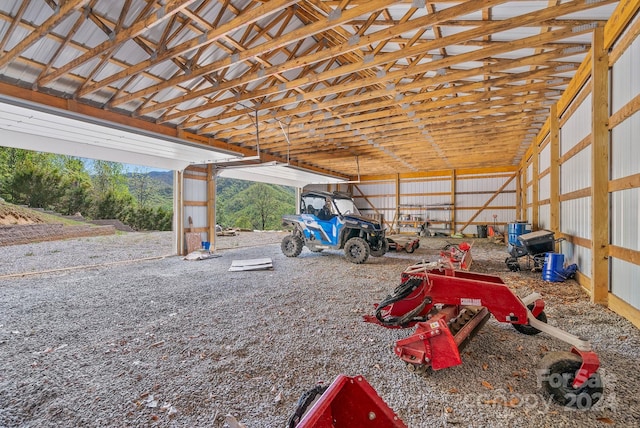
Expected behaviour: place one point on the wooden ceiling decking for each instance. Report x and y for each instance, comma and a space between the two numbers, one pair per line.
352, 86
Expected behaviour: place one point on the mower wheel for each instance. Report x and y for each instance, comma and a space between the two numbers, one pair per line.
559, 370
356, 250
291, 246
526, 328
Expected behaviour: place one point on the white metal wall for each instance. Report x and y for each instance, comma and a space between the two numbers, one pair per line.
544, 184
382, 197
625, 162
195, 190
481, 189
430, 198
575, 175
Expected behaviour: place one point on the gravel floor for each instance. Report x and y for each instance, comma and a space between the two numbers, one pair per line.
128, 336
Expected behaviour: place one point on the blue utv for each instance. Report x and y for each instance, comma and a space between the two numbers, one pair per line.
332, 221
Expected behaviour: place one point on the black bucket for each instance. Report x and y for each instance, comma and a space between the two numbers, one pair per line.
482, 231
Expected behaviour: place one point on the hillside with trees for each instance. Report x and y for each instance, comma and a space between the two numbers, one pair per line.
143, 200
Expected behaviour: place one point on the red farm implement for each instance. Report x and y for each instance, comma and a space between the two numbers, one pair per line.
448, 307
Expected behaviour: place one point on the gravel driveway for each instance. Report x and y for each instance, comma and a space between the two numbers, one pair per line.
110, 331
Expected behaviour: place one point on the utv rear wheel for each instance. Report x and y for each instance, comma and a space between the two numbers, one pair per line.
356, 250
384, 247
291, 246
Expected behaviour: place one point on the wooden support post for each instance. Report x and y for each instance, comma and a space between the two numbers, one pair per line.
535, 183
600, 170
211, 205
554, 172
396, 218
453, 200
519, 194
178, 210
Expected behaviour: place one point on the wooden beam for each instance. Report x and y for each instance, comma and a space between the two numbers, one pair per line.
143, 125
247, 18
211, 206
535, 186
295, 63
161, 15
600, 171
624, 309
58, 16
554, 178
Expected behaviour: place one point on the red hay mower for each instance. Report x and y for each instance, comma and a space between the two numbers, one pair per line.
448, 307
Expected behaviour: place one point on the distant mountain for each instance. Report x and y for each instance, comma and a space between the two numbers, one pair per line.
240, 203
163, 176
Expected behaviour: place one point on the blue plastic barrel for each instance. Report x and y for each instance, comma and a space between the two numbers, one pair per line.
517, 229
553, 267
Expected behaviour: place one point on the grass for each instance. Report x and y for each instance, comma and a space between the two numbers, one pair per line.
9, 214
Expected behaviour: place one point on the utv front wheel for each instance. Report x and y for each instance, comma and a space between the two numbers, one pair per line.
356, 250
291, 246
384, 247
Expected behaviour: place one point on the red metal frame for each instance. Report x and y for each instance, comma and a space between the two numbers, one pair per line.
433, 343
350, 402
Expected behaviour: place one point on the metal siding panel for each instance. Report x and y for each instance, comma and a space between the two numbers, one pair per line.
544, 187
579, 255
544, 158
573, 173
577, 127
625, 81
544, 216
625, 151
625, 219
575, 217
624, 281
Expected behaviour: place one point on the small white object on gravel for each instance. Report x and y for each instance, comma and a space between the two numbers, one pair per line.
113, 332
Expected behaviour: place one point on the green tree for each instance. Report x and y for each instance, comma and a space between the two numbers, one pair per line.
77, 186
112, 198
142, 187
264, 203
36, 180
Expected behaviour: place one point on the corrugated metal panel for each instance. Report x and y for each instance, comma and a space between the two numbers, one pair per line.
431, 186
380, 188
544, 158
544, 216
490, 184
195, 190
579, 255
625, 83
577, 127
624, 281
575, 173
625, 150
575, 217
625, 227
544, 188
